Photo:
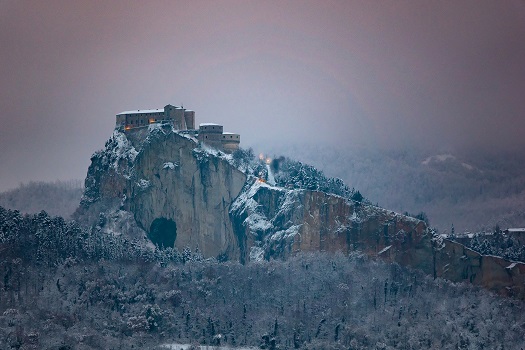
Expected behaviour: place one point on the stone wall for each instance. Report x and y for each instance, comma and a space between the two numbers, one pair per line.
182, 119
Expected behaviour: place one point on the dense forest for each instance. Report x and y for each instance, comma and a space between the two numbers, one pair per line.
63, 286
497, 243
67, 287
289, 173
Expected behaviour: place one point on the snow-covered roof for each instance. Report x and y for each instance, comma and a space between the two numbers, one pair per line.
142, 111
384, 250
209, 124
229, 133
516, 229
189, 110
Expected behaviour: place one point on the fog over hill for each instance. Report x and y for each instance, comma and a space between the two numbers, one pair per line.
59, 198
472, 191
395, 74
417, 105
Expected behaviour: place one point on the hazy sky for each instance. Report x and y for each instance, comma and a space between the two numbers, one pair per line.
430, 74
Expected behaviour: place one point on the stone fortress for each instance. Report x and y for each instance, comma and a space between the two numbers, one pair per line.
182, 120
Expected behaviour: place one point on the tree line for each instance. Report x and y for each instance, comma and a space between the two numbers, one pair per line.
66, 287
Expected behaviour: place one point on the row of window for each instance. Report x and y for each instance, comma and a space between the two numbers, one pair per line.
224, 136
141, 122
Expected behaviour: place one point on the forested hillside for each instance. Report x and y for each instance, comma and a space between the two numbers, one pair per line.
497, 243
63, 287
473, 192
56, 198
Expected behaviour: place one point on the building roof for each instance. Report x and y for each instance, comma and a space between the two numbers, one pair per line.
516, 230
142, 111
209, 124
229, 133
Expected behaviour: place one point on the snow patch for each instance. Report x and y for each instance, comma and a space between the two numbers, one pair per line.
271, 178
256, 221
245, 203
122, 149
516, 230
285, 234
467, 166
209, 124
511, 266
385, 249
154, 127
438, 158
177, 346
143, 184
170, 165
142, 111
256, 254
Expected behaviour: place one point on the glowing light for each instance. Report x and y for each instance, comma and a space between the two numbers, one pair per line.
261, 156
268, 160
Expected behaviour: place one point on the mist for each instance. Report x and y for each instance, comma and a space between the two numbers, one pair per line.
399, 75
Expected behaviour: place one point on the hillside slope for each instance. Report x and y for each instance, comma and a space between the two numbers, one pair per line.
221, 204
472, 191
59, 198
67, 287
182, 194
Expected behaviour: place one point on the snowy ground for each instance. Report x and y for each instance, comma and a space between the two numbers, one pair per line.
271, 178
202, 347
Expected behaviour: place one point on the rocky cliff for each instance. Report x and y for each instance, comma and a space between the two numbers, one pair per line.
170, 185
271, 221
164, 185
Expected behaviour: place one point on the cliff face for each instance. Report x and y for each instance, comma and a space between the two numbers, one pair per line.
179, 181
271, 221
158, 183
276, 222
458, 263
157, 174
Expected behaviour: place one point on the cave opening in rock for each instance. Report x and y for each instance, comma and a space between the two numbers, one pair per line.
163, 232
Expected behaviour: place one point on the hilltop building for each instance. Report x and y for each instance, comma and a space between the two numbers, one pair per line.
213, 135
183, 120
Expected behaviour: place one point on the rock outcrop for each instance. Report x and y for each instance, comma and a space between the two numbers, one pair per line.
183, 194
156, 173
458, 263
271, 221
